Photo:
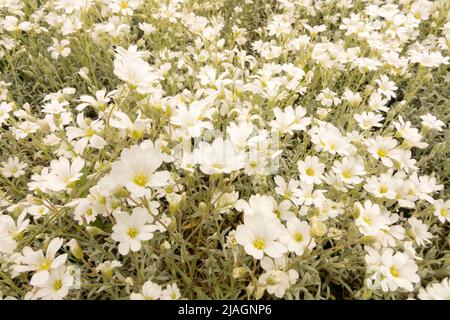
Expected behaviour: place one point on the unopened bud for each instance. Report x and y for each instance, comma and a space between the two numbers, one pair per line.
75, 249
94, 231
259, 292
367, 240
239, 272
165, 246
318, 228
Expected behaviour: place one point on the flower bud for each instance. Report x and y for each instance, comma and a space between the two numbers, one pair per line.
75, 249
238, 272
368, 240
318, 228
94, 231
165, 246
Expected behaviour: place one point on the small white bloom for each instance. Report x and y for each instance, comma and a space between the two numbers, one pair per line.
131, 230
150, 291
259, 235
13, 167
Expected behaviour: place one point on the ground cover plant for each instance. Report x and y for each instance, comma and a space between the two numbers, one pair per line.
224, 149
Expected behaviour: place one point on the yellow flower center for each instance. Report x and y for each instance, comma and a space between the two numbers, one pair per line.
383, 189
298, 237
382, 152
89, 132
310, 171
45, 265
272, 280
259, 244
444, 212
57, 285
367, 220
394, 272
124, 4
140, 179
132, 232
347, 174
136, 134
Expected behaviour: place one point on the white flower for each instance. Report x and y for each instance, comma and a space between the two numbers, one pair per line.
150, 291
436, 291
286, 190
240, 133
391, 271
377, 102
367, 120
442, 210
419, 231
221, 156
277, 278
192, 118
136, 72
349, 170
40, 263
9, 230
88, 131
147, 27
326, 137
399, 269
59, 48
259, 235
124, 7
411, 135
311, 170
171, 292
84, 211
381, 186
328, 98
307, 196
107, 267
288, 120
371, 220
383, 148
353, 98
378, 224
283, 210
5, 109
63, 173
131, 230
426, 58
136, 169
13, 168
386, 87
99, 102
56, 286
135, 130
296, 237
258, 205
429, 121
38, 211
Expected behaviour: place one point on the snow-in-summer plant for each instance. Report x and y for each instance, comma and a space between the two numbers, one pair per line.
225, 149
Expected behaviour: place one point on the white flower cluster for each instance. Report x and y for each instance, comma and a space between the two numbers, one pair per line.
190, 149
